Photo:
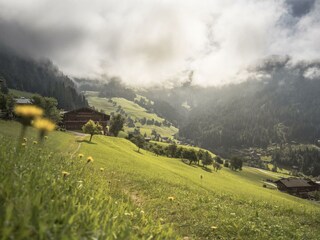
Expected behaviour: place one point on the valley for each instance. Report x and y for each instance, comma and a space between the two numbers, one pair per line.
133, 111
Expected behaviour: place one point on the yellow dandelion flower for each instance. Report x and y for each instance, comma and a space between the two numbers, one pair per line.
65, 174
101, 169
80, 155
89, 159
29, 111
35, 142
214, 227
129, 214
44, 124
170, 198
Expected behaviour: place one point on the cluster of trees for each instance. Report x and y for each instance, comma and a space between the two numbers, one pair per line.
48, 104
130, 122
145, 121
145, 103
40, 77
121, 111
116, 124
235, 163
175, 151
138, 140
305, 160
93, 128
6, 100
6, 105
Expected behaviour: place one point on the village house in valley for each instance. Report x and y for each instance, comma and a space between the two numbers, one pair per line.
297, 186
75, 119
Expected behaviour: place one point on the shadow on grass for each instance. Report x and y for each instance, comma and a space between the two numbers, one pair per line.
137, 151
207, 169
187, 163
85, 141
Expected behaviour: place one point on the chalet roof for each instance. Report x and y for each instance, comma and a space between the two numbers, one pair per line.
86, 109
294, 182
23, 100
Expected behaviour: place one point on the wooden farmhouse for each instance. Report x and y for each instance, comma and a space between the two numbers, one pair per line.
297, 186
75, 119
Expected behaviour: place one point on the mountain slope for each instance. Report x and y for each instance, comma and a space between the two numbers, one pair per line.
40, 77
234, 203
283, 106
137, 116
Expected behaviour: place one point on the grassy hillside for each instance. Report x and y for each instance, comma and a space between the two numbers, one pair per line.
205, 205
47, 195
133, 110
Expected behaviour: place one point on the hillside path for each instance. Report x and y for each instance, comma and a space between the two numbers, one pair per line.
79, 136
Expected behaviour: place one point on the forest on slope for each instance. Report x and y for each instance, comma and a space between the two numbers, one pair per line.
280, 107
42, 77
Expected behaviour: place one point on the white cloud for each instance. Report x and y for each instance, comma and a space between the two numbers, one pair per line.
312, 73
148, 42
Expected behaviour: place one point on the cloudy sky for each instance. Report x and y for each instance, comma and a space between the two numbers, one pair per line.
149, 42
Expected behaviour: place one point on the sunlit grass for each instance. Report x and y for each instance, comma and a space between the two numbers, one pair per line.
199, 204
46, 195
234, 202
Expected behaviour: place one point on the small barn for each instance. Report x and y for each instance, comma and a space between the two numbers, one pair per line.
296, 186
75, 119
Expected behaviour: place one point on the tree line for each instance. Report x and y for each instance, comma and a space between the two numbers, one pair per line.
305, 160
190, 155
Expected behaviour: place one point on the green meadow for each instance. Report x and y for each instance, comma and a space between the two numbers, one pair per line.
133, 110
137, 195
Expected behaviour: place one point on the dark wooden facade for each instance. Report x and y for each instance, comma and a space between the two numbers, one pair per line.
75, 119
297, 186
